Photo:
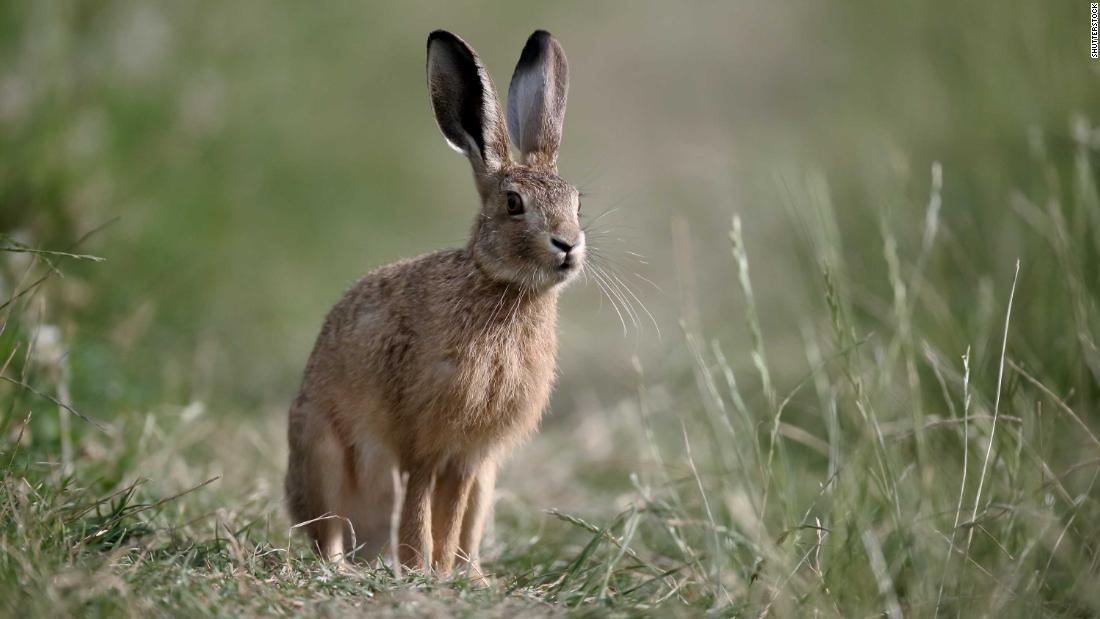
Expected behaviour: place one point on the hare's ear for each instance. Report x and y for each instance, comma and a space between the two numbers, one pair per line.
536, 99
465, 103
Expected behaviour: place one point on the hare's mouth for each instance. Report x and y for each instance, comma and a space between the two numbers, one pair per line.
568, 264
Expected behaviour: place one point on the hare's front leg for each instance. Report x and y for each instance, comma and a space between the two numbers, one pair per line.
449, 504
478, 509
415, 535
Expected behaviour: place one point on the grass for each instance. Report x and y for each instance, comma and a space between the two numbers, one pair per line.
900, 476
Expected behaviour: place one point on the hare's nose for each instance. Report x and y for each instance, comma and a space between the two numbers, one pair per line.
563, 245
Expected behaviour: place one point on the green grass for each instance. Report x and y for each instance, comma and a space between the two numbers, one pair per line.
875, 242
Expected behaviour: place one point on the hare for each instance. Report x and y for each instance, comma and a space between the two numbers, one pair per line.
437, 366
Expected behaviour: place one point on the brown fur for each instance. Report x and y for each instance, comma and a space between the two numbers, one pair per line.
439, 365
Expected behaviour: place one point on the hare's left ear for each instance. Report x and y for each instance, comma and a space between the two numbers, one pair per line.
536, 100
465, 103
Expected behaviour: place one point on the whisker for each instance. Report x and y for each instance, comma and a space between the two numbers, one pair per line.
625, 286
603, 232
599, 254
614, 290
609, 263
615, 264
603, 288
648, 281
611, 301
601, 216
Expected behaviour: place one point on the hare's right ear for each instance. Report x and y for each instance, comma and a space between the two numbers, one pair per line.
536, 99
465, 103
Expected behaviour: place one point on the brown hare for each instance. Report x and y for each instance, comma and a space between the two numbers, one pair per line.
437, 366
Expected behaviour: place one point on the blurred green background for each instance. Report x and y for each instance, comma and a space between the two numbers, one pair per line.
259, 157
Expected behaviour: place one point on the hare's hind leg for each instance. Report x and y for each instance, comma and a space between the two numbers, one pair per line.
368, 499
315, 478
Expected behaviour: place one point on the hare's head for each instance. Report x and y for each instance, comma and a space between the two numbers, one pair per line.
527, 232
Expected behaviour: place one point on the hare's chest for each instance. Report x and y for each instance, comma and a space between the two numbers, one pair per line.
492, 386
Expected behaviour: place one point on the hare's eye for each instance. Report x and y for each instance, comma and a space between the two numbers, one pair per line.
515, 203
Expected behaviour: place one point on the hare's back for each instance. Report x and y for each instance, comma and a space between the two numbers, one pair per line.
377, 321
407, 291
